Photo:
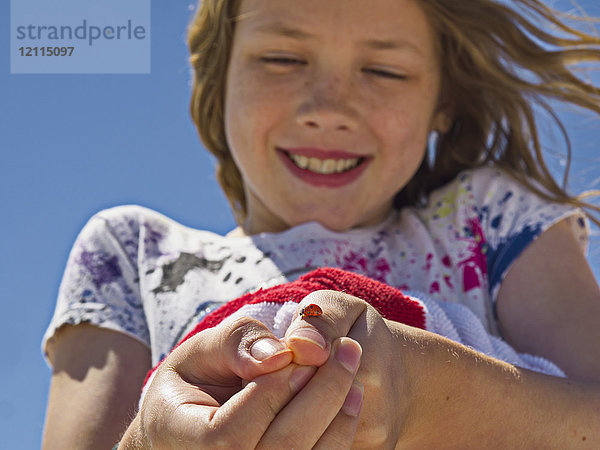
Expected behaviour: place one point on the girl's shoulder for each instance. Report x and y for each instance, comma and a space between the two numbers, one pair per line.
477, 185
140, 238
131, 223
496, 217
135, 217
488, 193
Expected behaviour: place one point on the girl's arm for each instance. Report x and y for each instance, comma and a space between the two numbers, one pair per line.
95, 386
460, 398
549, 304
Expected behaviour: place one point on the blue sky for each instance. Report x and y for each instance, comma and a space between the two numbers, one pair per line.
75, 144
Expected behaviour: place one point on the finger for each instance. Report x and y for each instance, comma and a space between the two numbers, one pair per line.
243, 348
310, 337
308, 415
340, 433
239, 423
262, 400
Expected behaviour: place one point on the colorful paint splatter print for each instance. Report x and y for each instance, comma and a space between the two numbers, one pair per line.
138, 272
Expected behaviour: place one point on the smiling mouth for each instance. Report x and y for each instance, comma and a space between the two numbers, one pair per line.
324, 166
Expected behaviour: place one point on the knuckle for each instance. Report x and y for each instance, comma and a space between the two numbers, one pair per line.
376, 427
371, 436
242, 331
240, 325
372, 378
328, 295
339, 310
321, 294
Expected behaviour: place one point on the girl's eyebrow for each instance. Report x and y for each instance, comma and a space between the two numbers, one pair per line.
391, 44
281, 29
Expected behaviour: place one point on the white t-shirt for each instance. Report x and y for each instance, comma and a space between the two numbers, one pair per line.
141, 273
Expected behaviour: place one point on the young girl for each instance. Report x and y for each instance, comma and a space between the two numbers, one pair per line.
320, 114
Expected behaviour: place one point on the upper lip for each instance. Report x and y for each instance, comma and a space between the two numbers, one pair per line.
321, 153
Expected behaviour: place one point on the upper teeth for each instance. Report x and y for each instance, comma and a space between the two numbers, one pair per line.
324, 166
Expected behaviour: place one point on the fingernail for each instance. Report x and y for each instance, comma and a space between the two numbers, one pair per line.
300, 376
353, 402
348, 353
266, 348
309, 335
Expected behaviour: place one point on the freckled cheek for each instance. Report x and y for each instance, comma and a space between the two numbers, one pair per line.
400, 131
252, 113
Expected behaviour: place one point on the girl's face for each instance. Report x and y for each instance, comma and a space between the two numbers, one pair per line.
328, 108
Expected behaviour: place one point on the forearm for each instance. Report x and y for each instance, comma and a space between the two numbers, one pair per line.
80, 418
463, 398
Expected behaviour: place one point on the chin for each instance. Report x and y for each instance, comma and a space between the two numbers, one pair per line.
337, 221
336, 225
338, 228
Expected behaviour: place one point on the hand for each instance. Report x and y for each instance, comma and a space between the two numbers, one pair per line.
425, 391
384, 371
196, 398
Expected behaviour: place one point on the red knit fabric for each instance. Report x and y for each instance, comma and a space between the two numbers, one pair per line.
390, 302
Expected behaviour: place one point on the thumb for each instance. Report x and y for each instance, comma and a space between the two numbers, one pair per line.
238, 348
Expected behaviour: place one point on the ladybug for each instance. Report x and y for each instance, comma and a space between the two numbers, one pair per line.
311, 310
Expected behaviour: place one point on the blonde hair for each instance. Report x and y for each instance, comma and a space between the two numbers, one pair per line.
497, 62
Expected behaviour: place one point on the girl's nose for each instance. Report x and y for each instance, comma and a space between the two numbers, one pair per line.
327, 107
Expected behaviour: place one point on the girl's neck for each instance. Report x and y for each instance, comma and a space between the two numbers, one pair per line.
246, 229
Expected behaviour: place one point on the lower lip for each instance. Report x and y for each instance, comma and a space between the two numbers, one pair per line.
332, 180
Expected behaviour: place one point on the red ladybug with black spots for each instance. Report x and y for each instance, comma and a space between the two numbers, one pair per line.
311, 310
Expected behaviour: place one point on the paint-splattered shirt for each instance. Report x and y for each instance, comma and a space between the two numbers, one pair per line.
138, 272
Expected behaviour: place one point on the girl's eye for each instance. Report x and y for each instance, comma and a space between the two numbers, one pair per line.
384, 74
282, 60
